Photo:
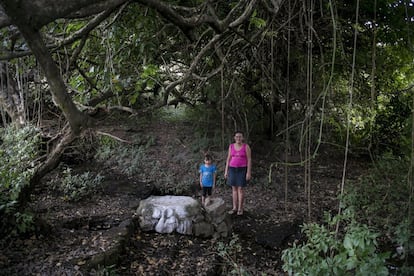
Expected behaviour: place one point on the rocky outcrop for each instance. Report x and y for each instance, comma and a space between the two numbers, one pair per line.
184, 215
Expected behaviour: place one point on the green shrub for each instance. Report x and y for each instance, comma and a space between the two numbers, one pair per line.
380, 196
229, 253
24, 222
404, 237
18, 148
354, 252
130, 159
106, 148
78, 186
381, 199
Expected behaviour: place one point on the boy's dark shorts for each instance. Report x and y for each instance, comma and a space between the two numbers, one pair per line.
207, 191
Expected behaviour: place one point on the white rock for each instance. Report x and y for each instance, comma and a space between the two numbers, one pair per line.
182, 214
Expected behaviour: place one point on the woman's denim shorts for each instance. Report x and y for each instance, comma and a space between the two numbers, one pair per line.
237, 177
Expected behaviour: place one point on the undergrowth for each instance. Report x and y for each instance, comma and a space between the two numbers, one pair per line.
230, 254
18, 150
352, 251
382, 199
135, 162
76, 187
376, 211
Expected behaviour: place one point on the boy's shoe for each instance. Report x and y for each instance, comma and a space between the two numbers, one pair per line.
231, 212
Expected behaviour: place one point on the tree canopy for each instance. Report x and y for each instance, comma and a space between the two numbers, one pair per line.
274, 67
295, 74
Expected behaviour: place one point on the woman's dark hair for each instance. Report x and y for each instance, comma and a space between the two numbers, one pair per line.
238, 131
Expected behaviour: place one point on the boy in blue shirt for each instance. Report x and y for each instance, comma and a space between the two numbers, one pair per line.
207, 178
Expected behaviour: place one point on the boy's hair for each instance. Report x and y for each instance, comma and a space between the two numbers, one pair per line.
208, 157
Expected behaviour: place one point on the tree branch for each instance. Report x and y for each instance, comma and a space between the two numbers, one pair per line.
92, 24
38, 13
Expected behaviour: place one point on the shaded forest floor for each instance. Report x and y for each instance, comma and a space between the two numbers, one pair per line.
82, 238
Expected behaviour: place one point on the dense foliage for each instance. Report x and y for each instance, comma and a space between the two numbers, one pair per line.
382, 199
18, 150
301, 73
324, 253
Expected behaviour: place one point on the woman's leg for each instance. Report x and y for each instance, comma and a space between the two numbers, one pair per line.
235, 197
240, 196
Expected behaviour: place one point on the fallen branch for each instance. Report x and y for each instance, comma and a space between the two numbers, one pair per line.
113, 137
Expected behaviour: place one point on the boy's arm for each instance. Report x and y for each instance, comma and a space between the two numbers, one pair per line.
201, 180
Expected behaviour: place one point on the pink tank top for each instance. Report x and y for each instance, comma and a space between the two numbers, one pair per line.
238, 157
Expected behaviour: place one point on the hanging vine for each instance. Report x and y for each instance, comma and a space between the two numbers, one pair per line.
410, 178
287, 103
350, 103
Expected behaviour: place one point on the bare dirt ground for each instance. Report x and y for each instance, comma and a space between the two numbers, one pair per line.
82, 238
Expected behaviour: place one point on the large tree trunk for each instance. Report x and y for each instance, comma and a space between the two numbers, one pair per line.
31, 34
52, 161
78, 121
76, 118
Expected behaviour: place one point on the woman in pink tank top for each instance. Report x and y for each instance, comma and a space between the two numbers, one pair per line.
238, 170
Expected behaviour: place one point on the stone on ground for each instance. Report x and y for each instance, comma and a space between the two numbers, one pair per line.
184, 215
